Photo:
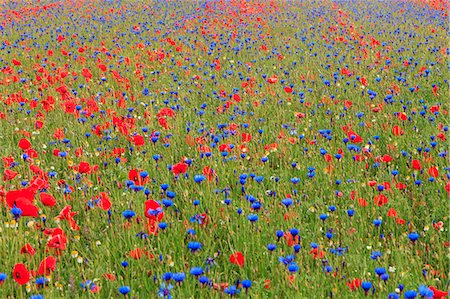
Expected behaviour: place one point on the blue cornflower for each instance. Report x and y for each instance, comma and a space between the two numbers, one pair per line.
128, 214
17, 212
252, 217
124, 290
154, 212
279, 234
323, 217
246, 283
377, 222
179, 277
256, 206
232, 290
287, 202
199, 178
203, 280
194, 246
338, 251
414, 236
380, 271
167, 202
164, 291
196, 271
425, 292
366, 286
393, 296
411, 294
375, 255
294, 232
286, 260
293, 267
271, 247
167, 276
41, 281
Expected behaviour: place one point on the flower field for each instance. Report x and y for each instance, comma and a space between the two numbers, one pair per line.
224, 148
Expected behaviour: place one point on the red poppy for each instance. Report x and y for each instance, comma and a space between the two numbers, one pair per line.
138, 140
416, 165
400, 186
372, 183
153, 210
58, 239
163, 122
27, 249
24, 144
110, 276
21, 274
84, 167
246, 137
400, 221
272, 80
354, 284
152, 228
288, 89
179, 168
67, 214
87, 74
396, 130
392, 213
22, 199
362, 202
437, 294
291, 240
9, 174
138, 253
433, 171
209, 173
387, 159
224, 147
134, 175
16, 62
166, 112
354, 138
104, 203
317, 253
47, 199
380, 200
237, 259
47, 266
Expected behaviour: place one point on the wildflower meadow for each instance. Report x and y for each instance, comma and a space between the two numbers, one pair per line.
224, 148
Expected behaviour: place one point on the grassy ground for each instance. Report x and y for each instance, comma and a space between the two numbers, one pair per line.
340, 107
